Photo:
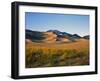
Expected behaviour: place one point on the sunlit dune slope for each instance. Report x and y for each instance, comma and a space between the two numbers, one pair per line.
79, 45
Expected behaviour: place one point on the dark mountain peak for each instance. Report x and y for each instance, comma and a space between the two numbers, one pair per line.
34, 35
57, 32
86, 37
54, 31
27, 30
76, 36
66, 34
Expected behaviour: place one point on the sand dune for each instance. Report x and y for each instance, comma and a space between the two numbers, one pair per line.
49, 37
79, 45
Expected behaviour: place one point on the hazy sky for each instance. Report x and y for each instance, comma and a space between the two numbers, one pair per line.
74, 24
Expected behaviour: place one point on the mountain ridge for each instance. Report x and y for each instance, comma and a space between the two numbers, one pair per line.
53, 36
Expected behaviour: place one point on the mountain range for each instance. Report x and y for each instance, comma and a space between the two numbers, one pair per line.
53, 36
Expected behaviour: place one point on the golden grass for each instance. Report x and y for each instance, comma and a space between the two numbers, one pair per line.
54, 54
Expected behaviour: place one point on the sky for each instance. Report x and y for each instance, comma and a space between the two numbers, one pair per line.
70, 23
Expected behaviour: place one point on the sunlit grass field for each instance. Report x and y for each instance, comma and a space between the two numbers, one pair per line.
52, 55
